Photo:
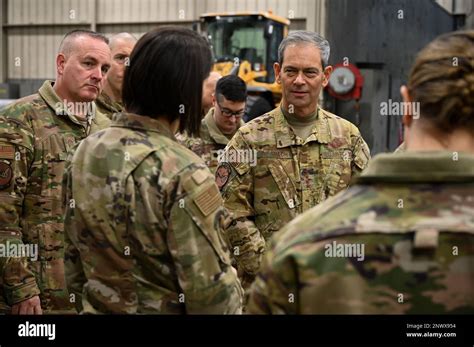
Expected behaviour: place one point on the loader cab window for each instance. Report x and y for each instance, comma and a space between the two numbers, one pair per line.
251, 38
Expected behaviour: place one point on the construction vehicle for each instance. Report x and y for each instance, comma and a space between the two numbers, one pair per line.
246, 44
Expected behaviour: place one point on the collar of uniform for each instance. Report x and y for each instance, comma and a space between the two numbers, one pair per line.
105, 101
48, 94
422, 167
214, 131
286, 137
135, 121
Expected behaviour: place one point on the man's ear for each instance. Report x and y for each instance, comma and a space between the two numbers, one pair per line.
277, 70
327, 72
407, 117
60, 62
213, 99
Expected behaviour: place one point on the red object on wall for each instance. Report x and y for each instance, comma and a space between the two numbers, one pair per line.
345, 82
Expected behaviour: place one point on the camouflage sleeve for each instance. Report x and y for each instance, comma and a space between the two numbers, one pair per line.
18, 281
195, 239
16, 153
182, 139
75, 277
235, 180
360, 153
275, 290
194, 144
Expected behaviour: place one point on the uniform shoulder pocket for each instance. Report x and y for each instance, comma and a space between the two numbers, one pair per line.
204, 205
361, 153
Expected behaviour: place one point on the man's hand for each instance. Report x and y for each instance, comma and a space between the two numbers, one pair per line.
29, 306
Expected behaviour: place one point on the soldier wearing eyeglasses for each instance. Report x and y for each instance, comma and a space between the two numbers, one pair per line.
221, 122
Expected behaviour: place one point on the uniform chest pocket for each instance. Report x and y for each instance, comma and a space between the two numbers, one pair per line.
276, 201
336, 164
285, 184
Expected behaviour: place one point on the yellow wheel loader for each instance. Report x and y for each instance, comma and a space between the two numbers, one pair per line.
246, 44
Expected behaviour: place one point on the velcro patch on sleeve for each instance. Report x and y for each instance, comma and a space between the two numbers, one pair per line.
208, 200
199, 176
426, 238
6, 175
7, 152
223, 174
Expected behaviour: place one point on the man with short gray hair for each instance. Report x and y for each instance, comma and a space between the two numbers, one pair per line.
110, 100
304, 154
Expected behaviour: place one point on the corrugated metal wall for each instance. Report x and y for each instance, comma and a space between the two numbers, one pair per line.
34, 12
34, 28
456, 6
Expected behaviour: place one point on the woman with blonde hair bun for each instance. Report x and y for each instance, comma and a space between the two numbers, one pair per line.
401, 239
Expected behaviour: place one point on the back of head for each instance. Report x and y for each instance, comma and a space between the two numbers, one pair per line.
167, 68
232, 87
442, 82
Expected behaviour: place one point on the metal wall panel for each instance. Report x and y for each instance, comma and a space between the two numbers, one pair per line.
375, 37
135, 29
32, 51
456, 6
126, 11
29, 12
34, 28
282, 8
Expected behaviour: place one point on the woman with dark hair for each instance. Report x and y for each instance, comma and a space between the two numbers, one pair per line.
144, 218
401, 239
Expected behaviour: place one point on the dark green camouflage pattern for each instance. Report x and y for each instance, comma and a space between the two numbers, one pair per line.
209, 143
414, 215
17, 282
40, 132
106, 106
290, 177
144, 226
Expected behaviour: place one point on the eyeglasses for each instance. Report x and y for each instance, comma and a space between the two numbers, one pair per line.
228, 113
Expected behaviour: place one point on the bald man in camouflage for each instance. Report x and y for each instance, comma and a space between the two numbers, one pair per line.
36, 133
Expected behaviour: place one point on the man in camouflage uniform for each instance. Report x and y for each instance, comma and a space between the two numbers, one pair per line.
401, 239
110, 100
220, 123
304, 154
17, 283
36, 133
146, 236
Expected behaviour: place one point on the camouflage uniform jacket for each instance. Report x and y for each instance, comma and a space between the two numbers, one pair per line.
210, 142
17, 282
147, 234
106, 106
290, 176
399, 241
36, 133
